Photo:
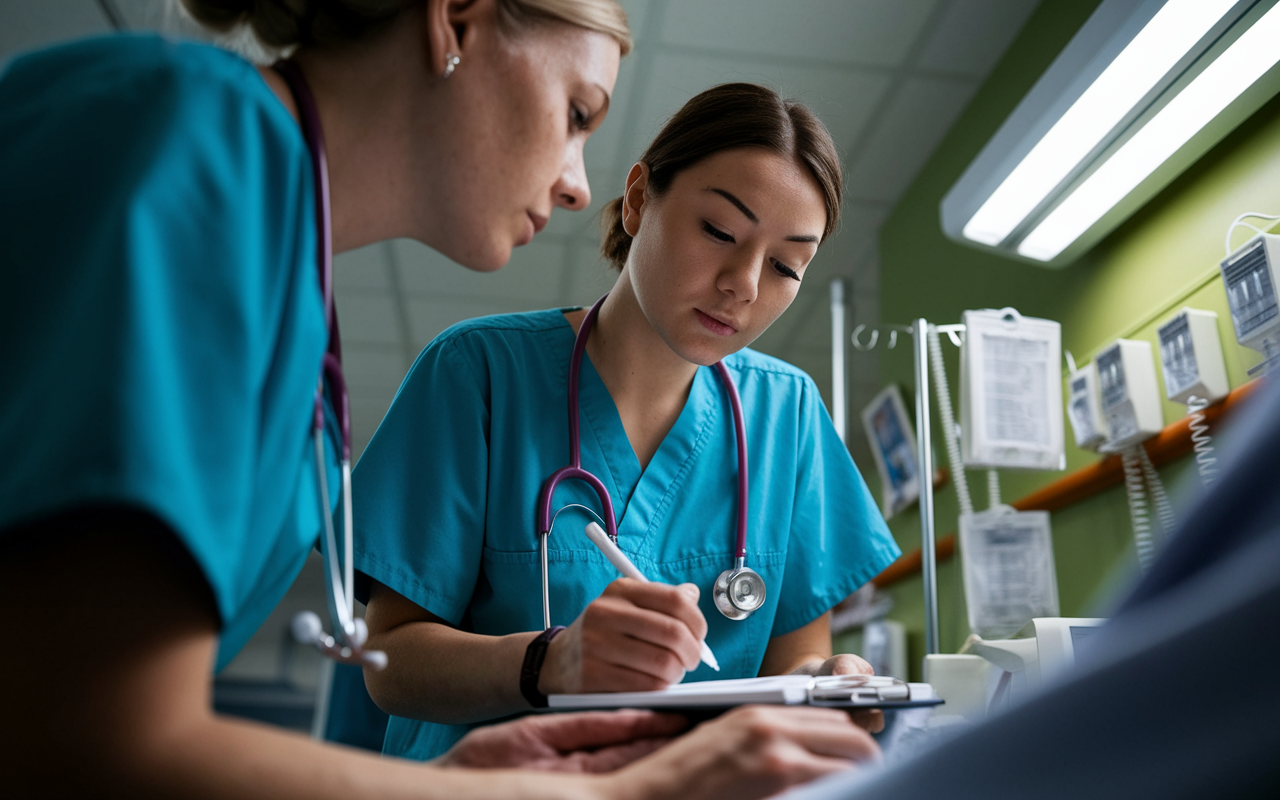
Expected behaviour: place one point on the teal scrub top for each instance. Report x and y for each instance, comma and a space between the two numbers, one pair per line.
445, 496
161, 315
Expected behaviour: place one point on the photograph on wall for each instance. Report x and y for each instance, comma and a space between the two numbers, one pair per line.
893, 445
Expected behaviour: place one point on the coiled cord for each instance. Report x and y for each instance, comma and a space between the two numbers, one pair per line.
1206, 461
993, 488
948, 422
1135, 490
1164, 509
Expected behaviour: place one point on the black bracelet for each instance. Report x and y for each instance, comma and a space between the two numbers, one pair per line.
531, 670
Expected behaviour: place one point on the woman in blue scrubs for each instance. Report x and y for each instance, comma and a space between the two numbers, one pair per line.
712, 237
163, 328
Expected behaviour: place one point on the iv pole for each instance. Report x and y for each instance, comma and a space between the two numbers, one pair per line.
924, 461
919, 331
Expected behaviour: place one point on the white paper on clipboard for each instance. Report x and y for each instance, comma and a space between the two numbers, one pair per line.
1010, 391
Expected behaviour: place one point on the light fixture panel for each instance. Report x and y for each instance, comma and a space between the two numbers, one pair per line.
1104, 37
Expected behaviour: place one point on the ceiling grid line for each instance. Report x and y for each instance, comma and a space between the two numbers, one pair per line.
900, 75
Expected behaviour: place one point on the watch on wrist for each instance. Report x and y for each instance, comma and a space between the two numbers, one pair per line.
531, 670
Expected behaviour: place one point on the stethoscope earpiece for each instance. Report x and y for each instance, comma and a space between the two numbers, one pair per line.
738, 592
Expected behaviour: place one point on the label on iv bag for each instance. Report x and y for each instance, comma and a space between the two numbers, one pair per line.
1009, 574
1014, 383
1010, 394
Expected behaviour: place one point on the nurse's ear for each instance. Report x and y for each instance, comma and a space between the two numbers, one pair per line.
449, 26
634, 197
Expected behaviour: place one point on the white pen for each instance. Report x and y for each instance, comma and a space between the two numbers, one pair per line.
623, 564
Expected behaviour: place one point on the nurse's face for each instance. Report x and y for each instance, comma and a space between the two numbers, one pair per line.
522, 106
718, 257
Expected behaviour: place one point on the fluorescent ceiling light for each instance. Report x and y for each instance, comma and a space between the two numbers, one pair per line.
1243, 63
1148, 58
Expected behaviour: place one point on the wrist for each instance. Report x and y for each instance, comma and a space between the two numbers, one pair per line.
532, 687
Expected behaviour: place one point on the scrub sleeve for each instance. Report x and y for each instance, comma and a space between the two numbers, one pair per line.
161, 315
445, 496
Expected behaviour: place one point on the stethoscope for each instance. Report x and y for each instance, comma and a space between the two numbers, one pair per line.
346, 644
739, 591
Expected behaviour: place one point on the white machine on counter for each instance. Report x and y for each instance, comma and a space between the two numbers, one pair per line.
988, 675
1195, 374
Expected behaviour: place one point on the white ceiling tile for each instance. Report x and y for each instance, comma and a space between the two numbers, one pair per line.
843, 99
531, 279
973, 34
366, 268
918, 117
865, 309
843, 253
864, 32
637, 16
602, 147
27, 25
367, 317
367, 410
429, 317
588, 276
366, 367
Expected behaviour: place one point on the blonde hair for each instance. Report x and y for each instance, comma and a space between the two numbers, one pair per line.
283, 24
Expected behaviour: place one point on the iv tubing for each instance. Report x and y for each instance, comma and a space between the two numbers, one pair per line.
948, 423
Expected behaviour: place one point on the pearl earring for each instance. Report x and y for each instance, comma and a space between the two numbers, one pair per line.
451, 62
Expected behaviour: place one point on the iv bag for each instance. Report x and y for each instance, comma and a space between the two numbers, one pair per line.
1009, 575
1010, 391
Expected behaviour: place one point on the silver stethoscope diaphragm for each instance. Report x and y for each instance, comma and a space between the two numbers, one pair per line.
739, 591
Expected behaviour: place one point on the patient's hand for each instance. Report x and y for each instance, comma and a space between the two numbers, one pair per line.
593, 741
871, 720
845, 664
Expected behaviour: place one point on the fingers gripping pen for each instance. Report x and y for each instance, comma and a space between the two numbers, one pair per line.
623, 564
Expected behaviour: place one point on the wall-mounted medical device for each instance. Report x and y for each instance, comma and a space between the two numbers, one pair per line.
1191, 357
1130, 398
1195, 374
1142, 90
1010, 396
1084, 405
1250, 279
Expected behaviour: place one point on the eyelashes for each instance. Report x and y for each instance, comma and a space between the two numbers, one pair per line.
716, 233
723, 236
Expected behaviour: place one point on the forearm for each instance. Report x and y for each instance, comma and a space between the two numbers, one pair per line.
441, 674
224, 758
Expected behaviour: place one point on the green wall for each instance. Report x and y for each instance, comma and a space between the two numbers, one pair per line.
1162, 258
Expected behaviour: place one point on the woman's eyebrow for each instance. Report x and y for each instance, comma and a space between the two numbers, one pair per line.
751, 215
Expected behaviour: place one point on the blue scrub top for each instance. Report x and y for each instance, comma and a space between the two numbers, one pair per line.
445, 495
161, 313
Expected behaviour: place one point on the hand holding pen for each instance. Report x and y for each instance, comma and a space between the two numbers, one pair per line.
637, 636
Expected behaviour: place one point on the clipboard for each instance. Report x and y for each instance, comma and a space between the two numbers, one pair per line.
834, 691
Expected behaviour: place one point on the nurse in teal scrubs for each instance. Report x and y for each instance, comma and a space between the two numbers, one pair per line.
712, 238
162, 328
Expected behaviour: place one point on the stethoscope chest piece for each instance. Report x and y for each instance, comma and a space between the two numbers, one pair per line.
738, 592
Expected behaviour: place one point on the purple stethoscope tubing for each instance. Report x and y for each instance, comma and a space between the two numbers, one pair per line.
574, 469
347, 642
